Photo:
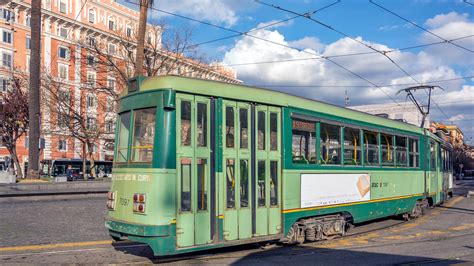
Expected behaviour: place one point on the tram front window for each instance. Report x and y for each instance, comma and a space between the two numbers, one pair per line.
143, 135
124, 129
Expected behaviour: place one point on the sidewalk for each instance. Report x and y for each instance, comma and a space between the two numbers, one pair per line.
65, 188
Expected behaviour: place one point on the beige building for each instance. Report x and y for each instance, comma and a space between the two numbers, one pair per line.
407, 113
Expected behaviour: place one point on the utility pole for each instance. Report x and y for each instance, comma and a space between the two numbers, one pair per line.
34, 91
144, 4
424, 111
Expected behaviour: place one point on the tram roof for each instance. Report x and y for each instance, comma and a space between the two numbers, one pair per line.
265, 96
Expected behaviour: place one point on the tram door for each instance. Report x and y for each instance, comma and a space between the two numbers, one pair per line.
433, 171
193, 225
251, 169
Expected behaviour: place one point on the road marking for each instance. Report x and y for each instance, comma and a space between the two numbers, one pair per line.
67, 251
59, 245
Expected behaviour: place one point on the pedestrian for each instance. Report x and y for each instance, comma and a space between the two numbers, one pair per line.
69, 173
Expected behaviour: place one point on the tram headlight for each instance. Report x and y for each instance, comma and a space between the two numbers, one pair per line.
139, 202
111, 200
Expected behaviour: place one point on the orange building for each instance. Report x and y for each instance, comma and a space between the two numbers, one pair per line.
66, 26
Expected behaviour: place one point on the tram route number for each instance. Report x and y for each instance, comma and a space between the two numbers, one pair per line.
380, 184
124, 202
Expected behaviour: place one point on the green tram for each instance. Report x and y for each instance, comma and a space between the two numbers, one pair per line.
202, 164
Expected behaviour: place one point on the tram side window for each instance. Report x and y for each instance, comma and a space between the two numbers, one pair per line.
124, 131
273, 183
401, 151
230, 183
244, 128
414, 153
229, 127
202, 186
443, 159
261, 130
386, 142
261, 183
371, 148
185, 123
143, 135
186, 172
273, 131
432, 156
244, 183
201, 124
352, 146
304, 142
330, 144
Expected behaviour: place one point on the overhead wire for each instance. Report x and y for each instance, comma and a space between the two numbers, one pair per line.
420, 27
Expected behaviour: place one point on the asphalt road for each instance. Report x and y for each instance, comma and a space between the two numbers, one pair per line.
72, 231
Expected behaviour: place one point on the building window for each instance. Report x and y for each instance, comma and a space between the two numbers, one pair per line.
62, 145
111, 84
91, 101
63, 52
4, 84
90, 60
64, 96
91, 123
91, 78
111, 48
28, 42
8, 15
129, 31
63, 121
7, 37
109, 126
28, 20
91, 15
91, 41
63, 32
111, 24
63, 71
110, 105
7, 59
62, 6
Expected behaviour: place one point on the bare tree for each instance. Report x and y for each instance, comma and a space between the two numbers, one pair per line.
77, 116
14, 118
165, 54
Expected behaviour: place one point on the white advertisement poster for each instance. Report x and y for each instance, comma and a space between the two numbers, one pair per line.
330, 189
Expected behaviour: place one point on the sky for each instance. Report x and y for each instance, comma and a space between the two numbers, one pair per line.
369, 49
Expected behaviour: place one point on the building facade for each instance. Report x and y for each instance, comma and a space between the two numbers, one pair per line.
69, 29
407, 113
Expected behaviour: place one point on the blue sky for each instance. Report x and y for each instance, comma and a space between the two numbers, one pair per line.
362, 21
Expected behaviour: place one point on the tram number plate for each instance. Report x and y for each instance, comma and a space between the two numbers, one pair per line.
124, 202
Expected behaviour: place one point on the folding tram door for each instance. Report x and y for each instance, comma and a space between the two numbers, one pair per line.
251, 144
194, 193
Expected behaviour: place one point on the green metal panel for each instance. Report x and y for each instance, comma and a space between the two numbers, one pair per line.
158, 185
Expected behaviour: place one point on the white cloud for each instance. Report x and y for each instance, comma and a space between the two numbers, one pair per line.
308, 42
217, 11
375, 67
456, 117
443, 19
451, 26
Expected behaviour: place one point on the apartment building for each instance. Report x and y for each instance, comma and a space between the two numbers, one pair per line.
68, 28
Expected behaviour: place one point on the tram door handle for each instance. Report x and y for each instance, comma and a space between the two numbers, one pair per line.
179, 231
